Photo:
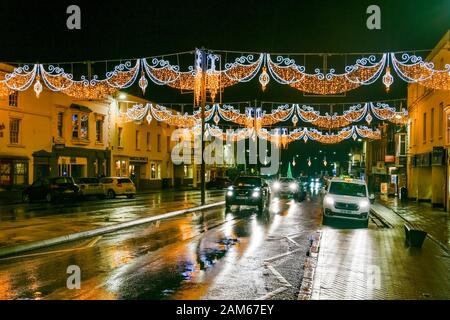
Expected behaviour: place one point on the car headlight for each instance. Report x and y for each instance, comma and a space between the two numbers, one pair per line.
276, 186
364, 204
230, 193
256, 193
293, 187
329, 201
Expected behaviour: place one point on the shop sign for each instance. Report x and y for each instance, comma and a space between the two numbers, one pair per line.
139, 159
438, 156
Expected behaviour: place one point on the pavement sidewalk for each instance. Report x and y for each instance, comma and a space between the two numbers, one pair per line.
423, 216
375, 264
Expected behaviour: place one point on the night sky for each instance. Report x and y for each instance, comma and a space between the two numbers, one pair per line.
35, 31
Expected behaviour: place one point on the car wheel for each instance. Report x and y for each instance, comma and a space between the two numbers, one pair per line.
130, 196
26, 198
111, 194
49, 198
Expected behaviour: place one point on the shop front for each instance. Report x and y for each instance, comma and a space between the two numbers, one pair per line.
13, 170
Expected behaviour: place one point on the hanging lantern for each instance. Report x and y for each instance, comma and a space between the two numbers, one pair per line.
325, 162
295, 120
216, 118
309, 162
38, 87
264, 79
369, 118
149, 117
388, 79
143, 83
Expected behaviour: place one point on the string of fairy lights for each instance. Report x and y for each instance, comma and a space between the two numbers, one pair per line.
217, 71
219, 75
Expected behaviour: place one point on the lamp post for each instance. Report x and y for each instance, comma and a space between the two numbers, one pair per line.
203, 106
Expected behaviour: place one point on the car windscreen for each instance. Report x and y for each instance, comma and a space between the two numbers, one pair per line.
60, 181
124, 181
247, 182
348, 189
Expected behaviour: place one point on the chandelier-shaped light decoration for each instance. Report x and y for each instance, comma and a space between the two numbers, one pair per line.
388, 79
364, 72
38, 87
413, 69
264, 79
143, 83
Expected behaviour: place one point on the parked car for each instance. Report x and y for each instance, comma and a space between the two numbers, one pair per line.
289, 187
248, 191
114, 187
51, 189
347, 199
90, 187
219, 183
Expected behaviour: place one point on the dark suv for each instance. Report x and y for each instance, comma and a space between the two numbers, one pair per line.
248, 191
51, 189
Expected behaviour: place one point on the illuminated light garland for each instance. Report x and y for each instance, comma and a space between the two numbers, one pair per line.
383, 111
229, 135
162, 114
413, 69
355, 114
244, 69
21, 79
138, 112
366, 71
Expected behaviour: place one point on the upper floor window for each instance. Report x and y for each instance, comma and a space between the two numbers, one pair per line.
168, 144
60, 124
441, 120
80, 126
99, 129
14, 131
432, 125
138, 140
158, 143
13, 99
120, 137
149, 142
424, 128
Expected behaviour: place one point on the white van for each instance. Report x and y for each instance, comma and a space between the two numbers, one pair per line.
347, 199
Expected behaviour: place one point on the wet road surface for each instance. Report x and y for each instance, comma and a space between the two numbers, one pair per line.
37, 221
206, 255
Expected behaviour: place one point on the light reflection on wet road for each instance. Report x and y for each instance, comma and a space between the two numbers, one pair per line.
191, 257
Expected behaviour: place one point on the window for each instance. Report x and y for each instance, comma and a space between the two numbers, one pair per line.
441, 120
432, 125
137, 141
60, 124
448, 127
14, 131
416, 132
13, 99
155, 171
159, 143
99, 130
75, 126
424, 128
80, 126
121, 168
168, 144
149, 142
120, 137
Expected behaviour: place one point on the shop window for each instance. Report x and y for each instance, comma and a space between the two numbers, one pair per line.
14, 131
60, 124
20, 173
5, 173
13, 99
155, 171
121, 168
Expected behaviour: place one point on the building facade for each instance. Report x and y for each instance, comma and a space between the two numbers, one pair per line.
54, 135
428, 127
